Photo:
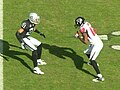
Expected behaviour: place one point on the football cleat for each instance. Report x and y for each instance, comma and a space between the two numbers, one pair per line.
41, 62
37, 70
98, 79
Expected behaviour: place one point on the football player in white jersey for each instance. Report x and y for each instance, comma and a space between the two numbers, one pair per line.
23, 35
88, 36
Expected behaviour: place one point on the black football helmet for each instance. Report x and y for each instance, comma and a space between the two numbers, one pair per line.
79, 21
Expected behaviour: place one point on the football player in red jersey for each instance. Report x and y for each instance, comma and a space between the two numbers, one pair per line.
23, 35
90, 38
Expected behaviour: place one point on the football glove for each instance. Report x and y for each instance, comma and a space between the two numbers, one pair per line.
42, 35
23, 46
77, 34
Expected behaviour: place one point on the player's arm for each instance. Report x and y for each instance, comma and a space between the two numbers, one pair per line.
84, 38
40, 33
20, 34
21, 30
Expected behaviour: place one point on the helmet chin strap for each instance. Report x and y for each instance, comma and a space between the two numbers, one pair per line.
83, 23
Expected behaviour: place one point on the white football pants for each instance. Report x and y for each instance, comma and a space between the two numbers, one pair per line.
94, 50
31, 43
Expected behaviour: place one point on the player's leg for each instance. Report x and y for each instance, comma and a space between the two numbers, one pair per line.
33, 49
88, 51
36, 69
94, 53
99, 75
37, 43
95, 66
34, 55
39, 50
93, 57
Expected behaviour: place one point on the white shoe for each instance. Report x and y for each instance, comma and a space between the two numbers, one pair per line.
98, 79
41, 62
37, 70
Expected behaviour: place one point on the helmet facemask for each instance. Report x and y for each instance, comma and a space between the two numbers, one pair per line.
79, 21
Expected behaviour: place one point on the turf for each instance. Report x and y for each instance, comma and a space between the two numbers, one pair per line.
66, 67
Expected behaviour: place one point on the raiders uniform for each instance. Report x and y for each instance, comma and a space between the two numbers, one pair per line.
23, 36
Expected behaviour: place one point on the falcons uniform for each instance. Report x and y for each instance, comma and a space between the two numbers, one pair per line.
95, 42
95, 45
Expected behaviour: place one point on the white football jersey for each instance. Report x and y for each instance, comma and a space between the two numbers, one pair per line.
92, 36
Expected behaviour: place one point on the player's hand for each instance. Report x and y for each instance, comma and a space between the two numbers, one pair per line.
23, 46
77, 34
42, 35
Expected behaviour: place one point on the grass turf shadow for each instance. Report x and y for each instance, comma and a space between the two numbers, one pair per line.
6, 52
63, 52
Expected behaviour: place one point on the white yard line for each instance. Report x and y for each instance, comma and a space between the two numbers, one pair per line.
103, 37
116, 47
116, 33
1, 44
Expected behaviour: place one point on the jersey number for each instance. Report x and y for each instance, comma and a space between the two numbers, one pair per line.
92, 30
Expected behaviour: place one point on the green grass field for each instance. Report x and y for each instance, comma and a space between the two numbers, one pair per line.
65, 69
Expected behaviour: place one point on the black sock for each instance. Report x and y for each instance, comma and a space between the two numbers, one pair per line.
39, 51
94, 64
34, 58
88, 55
